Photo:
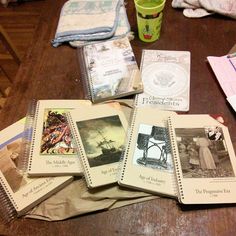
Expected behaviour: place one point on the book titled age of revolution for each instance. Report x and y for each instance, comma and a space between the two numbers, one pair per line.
147, 162
52, 151
166, 80
18, 193
99, 132
110, 70
204, 160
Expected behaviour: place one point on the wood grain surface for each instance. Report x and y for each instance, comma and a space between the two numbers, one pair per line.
54, 73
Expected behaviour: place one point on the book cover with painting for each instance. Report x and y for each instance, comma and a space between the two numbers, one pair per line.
99, 132
204, 159
52, 150
18, 193
166, 80
110, 70
147, 162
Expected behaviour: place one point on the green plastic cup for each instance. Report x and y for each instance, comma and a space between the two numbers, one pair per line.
149, 18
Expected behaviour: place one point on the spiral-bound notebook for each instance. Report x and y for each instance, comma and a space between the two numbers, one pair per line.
109, 70
52, 150
166, 80
18, 193
204, 160
99, 132
147, 161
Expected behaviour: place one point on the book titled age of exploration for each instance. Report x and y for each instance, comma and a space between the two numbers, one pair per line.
18, 193
52, 151
204, 160
99, 132
111, 70
166, 80
147, 162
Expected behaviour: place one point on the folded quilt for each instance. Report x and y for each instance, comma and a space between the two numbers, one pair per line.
122, 30
87, 20
201, 8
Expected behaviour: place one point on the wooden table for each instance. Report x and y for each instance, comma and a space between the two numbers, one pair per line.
53, 73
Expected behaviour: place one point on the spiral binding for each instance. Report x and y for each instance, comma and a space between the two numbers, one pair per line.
169, 149
32, 119
124, 156
175, 159
82, 157
84, 73
8, 206
27, 136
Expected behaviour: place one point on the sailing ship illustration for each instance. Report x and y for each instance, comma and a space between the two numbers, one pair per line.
106, 146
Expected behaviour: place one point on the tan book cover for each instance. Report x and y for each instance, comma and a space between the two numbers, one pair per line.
204, 159
110, 70
18, 193
147, 163
99, 132
52, 151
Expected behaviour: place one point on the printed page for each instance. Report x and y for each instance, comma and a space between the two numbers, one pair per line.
52, 150
204, 160
23, 192
225, 71
99, 132
166, 80
147, 163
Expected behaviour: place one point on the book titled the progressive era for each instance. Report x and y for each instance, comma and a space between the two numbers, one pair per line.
99, 132
18, 193
52, 150
147, 162
166, 80
110, 70
204, 160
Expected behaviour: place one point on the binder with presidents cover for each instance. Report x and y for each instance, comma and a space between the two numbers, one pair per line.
18, 193
52, 151
166, 80
99, 132
204, 160
109, 70
147, 162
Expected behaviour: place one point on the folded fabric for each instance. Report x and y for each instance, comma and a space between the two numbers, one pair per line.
76, 199
87, 20
122, 30
201, 8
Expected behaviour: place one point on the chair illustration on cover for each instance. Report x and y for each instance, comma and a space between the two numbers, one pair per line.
156, 140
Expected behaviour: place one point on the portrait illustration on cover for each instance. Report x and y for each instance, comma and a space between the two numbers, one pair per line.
203, 153
102, 139
56, 133
152, 149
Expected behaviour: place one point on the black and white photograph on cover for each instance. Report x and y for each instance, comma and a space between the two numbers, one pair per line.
203, 153
10, 152
102, 139
152, 149
56, 134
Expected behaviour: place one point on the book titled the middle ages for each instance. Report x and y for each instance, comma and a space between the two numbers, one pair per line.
99, 132
52, 151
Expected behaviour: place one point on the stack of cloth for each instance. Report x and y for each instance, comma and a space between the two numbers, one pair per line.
83, 22
201, 8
